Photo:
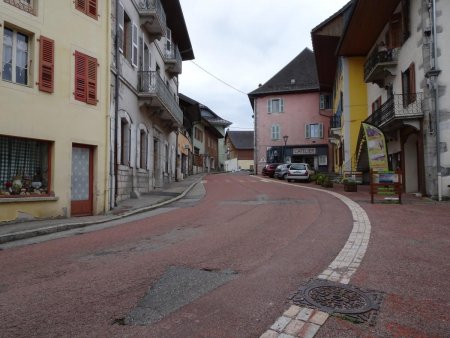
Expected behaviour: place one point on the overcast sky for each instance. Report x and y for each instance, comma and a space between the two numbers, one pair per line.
244, 43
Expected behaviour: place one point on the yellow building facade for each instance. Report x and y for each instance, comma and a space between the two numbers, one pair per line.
352, 96
54, 99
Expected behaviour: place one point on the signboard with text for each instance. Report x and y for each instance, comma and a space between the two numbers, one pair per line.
304, 151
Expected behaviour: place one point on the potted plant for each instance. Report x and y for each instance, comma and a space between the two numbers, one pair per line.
350, 184
327, 183
319, 179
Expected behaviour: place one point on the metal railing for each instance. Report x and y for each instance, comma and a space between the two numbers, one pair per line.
172, 54
26, 7
377, 57
151, 83
152, 6
335, 121
399, 106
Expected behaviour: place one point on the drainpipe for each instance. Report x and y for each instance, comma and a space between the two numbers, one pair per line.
255, 149
116, 110
436, 105
176, 156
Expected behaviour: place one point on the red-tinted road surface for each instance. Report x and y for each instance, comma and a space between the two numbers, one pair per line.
274, 236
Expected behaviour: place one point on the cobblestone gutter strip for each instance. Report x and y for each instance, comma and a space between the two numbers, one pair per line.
304, 322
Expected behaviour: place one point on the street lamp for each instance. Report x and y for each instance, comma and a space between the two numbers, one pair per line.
285, 138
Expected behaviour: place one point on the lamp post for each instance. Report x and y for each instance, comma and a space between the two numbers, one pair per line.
285, 138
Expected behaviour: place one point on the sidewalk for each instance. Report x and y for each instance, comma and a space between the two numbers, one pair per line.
171, 192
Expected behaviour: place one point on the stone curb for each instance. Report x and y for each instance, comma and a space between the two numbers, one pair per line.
69, 226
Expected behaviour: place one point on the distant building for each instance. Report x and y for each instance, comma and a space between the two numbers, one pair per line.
206, 130
239, 147
292, 116
219, 124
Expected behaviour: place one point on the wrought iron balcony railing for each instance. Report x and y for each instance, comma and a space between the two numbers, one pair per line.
151, 85
397, 107
22, 5
378, 64
335, 121
172, 58
153, 16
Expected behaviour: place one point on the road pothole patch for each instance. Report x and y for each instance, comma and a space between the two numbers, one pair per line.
177, 287
341, 300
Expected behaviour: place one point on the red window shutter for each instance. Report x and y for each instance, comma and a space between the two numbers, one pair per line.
92, 8
80, 76
91, 81
46, 64
80, 5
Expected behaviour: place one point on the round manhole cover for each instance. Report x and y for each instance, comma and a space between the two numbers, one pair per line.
342, 299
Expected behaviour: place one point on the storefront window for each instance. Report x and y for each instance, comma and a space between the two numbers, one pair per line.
24, 167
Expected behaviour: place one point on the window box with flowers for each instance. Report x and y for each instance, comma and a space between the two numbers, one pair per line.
24, 167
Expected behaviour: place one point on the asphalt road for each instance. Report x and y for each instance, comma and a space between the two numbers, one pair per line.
220, 263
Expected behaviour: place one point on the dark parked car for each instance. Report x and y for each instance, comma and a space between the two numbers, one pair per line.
269, 169
281, 171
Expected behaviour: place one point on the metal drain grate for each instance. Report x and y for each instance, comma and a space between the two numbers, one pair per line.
345, 301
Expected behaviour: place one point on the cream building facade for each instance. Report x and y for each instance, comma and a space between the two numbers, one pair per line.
54, 97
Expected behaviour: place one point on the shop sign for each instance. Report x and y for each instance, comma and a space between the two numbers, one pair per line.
304, 151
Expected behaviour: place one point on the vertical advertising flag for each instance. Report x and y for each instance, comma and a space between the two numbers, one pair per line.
376, 147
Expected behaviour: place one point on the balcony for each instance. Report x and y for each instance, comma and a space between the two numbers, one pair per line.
335, 127
172, 59
396, 111
152, 17
153, 93
379, 65
26, 6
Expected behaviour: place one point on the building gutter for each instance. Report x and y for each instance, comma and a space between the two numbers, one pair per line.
435, 74
114, 169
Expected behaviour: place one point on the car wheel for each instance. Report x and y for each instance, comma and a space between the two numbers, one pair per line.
283, 177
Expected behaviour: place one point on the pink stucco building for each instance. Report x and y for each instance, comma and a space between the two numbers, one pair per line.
292, 116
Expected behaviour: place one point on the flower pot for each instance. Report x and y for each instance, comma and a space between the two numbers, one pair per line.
350, 187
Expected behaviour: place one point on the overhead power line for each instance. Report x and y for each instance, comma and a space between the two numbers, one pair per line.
218, 79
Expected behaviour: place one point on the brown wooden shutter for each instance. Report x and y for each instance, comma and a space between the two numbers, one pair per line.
80, 76
91, 9
91, 81
46, 64
81, 5
412, 83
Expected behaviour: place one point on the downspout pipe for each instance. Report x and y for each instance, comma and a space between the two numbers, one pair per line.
436, 104
114, 147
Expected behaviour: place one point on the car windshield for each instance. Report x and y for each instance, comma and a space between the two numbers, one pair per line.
298, 167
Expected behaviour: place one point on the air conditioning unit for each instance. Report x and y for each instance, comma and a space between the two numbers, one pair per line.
186, 146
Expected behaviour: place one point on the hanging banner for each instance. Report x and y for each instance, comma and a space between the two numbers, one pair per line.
376, 147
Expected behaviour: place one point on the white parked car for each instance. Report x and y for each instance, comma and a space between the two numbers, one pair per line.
299, 172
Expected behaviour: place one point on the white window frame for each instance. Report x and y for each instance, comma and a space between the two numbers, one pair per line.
14, 52
142, 149
168, 41
134, 45
147, 57
275, 132
312, 132
121, 26
271, 105
323, 102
